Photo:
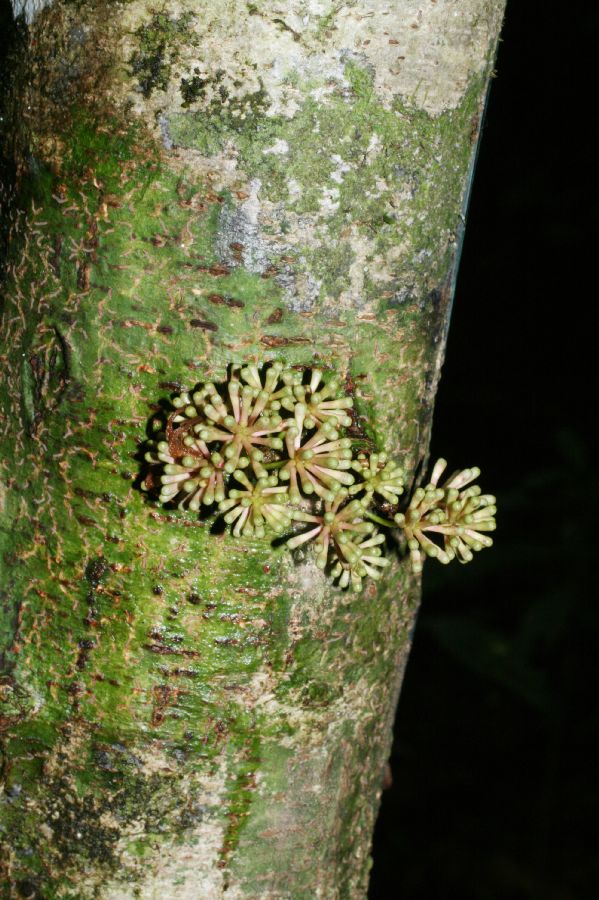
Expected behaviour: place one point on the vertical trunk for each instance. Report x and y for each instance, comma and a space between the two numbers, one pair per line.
185, 714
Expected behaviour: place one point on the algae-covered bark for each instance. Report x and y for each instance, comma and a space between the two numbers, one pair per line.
185, 714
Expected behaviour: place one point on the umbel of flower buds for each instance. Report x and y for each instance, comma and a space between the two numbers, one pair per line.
268, 449
448, 521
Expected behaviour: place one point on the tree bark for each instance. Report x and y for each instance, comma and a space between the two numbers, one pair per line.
187, 715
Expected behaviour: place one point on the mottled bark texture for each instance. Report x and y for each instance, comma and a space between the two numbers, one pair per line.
190, 185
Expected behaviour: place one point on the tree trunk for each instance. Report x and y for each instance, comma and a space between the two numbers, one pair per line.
186, 714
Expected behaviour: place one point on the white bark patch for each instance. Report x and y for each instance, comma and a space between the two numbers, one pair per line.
280, 148
256, 224
185, 870
425, 52
294, 188
309, 587
219, 170
342, 168
363, 250
330, 200
251, 207
422, 51
165, 132
239, 238
29, 8
321, 753
375, 145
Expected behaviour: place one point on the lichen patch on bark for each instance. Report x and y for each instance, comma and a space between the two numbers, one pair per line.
204, 186
425, 54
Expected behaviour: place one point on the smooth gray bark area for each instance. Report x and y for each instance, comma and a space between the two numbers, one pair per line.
187, 715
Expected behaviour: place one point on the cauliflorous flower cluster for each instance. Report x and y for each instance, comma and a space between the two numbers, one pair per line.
268, 449
460, 516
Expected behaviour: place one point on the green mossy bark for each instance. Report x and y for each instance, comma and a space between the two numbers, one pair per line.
183, 713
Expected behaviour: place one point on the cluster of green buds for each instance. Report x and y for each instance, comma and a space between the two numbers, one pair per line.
268, 449
345, 538
378, 476
459, 516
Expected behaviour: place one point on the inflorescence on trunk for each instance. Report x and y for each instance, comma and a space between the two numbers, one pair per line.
459, 515
268, 450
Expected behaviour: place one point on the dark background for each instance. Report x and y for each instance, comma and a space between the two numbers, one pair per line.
495, 794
